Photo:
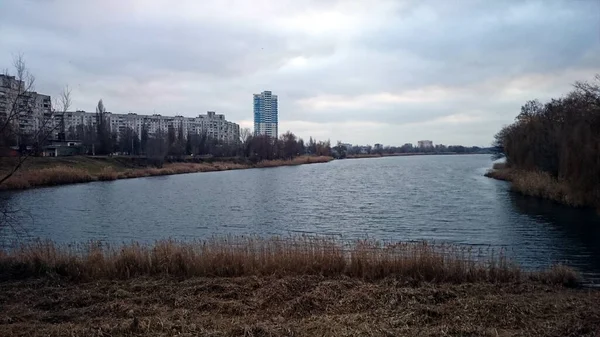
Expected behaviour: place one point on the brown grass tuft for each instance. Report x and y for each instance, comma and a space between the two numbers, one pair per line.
499, 166
107, 173
250, 256
559, 274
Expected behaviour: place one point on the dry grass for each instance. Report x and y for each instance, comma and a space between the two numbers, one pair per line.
499, 166
295, 161
47, 177
60, 175
249, 256
538, 184
301, 306
296, 287
107, 174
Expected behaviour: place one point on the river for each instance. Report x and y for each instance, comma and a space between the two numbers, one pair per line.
440, 198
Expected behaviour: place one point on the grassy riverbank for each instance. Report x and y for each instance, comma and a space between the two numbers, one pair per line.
541, 184
294, 287
69, 170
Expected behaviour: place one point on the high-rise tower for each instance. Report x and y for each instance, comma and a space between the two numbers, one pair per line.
265, 114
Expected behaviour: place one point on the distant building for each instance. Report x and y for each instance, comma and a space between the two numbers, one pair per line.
407, 146
265, 114
425, 144
212, 124
33, 110
59, 148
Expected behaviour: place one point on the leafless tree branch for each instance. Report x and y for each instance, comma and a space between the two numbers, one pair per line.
20, 102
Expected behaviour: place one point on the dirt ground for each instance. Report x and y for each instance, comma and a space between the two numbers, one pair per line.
293, 306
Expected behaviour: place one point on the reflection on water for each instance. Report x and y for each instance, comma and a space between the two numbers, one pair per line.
441, 198
576, 231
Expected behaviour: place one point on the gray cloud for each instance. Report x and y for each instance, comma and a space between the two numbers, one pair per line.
360, 71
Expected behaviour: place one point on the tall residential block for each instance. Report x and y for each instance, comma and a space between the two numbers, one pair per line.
27, 111
265, 114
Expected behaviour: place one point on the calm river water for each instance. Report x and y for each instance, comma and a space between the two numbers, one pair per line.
441, 198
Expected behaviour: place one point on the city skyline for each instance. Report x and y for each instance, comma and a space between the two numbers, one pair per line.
385, 71
72, 123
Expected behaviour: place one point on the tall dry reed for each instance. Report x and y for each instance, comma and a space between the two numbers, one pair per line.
107, 173
539, 184
248, 256
58, 175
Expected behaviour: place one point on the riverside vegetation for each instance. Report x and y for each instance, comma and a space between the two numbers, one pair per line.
299, 286
552, 150
69, 170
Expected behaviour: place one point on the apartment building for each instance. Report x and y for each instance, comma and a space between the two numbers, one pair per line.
33, 112
213, 124
28, 110
265, 114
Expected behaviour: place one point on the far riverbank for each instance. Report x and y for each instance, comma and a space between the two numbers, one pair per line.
377, 155
40, 172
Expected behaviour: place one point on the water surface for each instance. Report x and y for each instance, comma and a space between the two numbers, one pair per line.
441, 198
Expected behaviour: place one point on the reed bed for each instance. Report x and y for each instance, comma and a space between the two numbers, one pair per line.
292, 162
61, 175
253, 256
539, 184
58, 175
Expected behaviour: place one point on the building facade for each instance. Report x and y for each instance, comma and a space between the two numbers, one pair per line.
31, 113
266, 114
212, 124
425, 144
28, 111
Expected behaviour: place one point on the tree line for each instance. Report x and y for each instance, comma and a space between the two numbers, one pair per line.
101, 140
560, 137
342, 151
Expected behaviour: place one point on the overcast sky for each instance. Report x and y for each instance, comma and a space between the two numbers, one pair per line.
362, 72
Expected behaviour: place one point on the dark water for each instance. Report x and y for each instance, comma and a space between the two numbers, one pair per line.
441, 198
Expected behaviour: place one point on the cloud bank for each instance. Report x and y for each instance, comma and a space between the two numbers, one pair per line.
358, 71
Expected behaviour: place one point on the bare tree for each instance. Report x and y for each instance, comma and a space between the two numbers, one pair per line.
245, 135
25, 121
562, 139
62, 105
16, 99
